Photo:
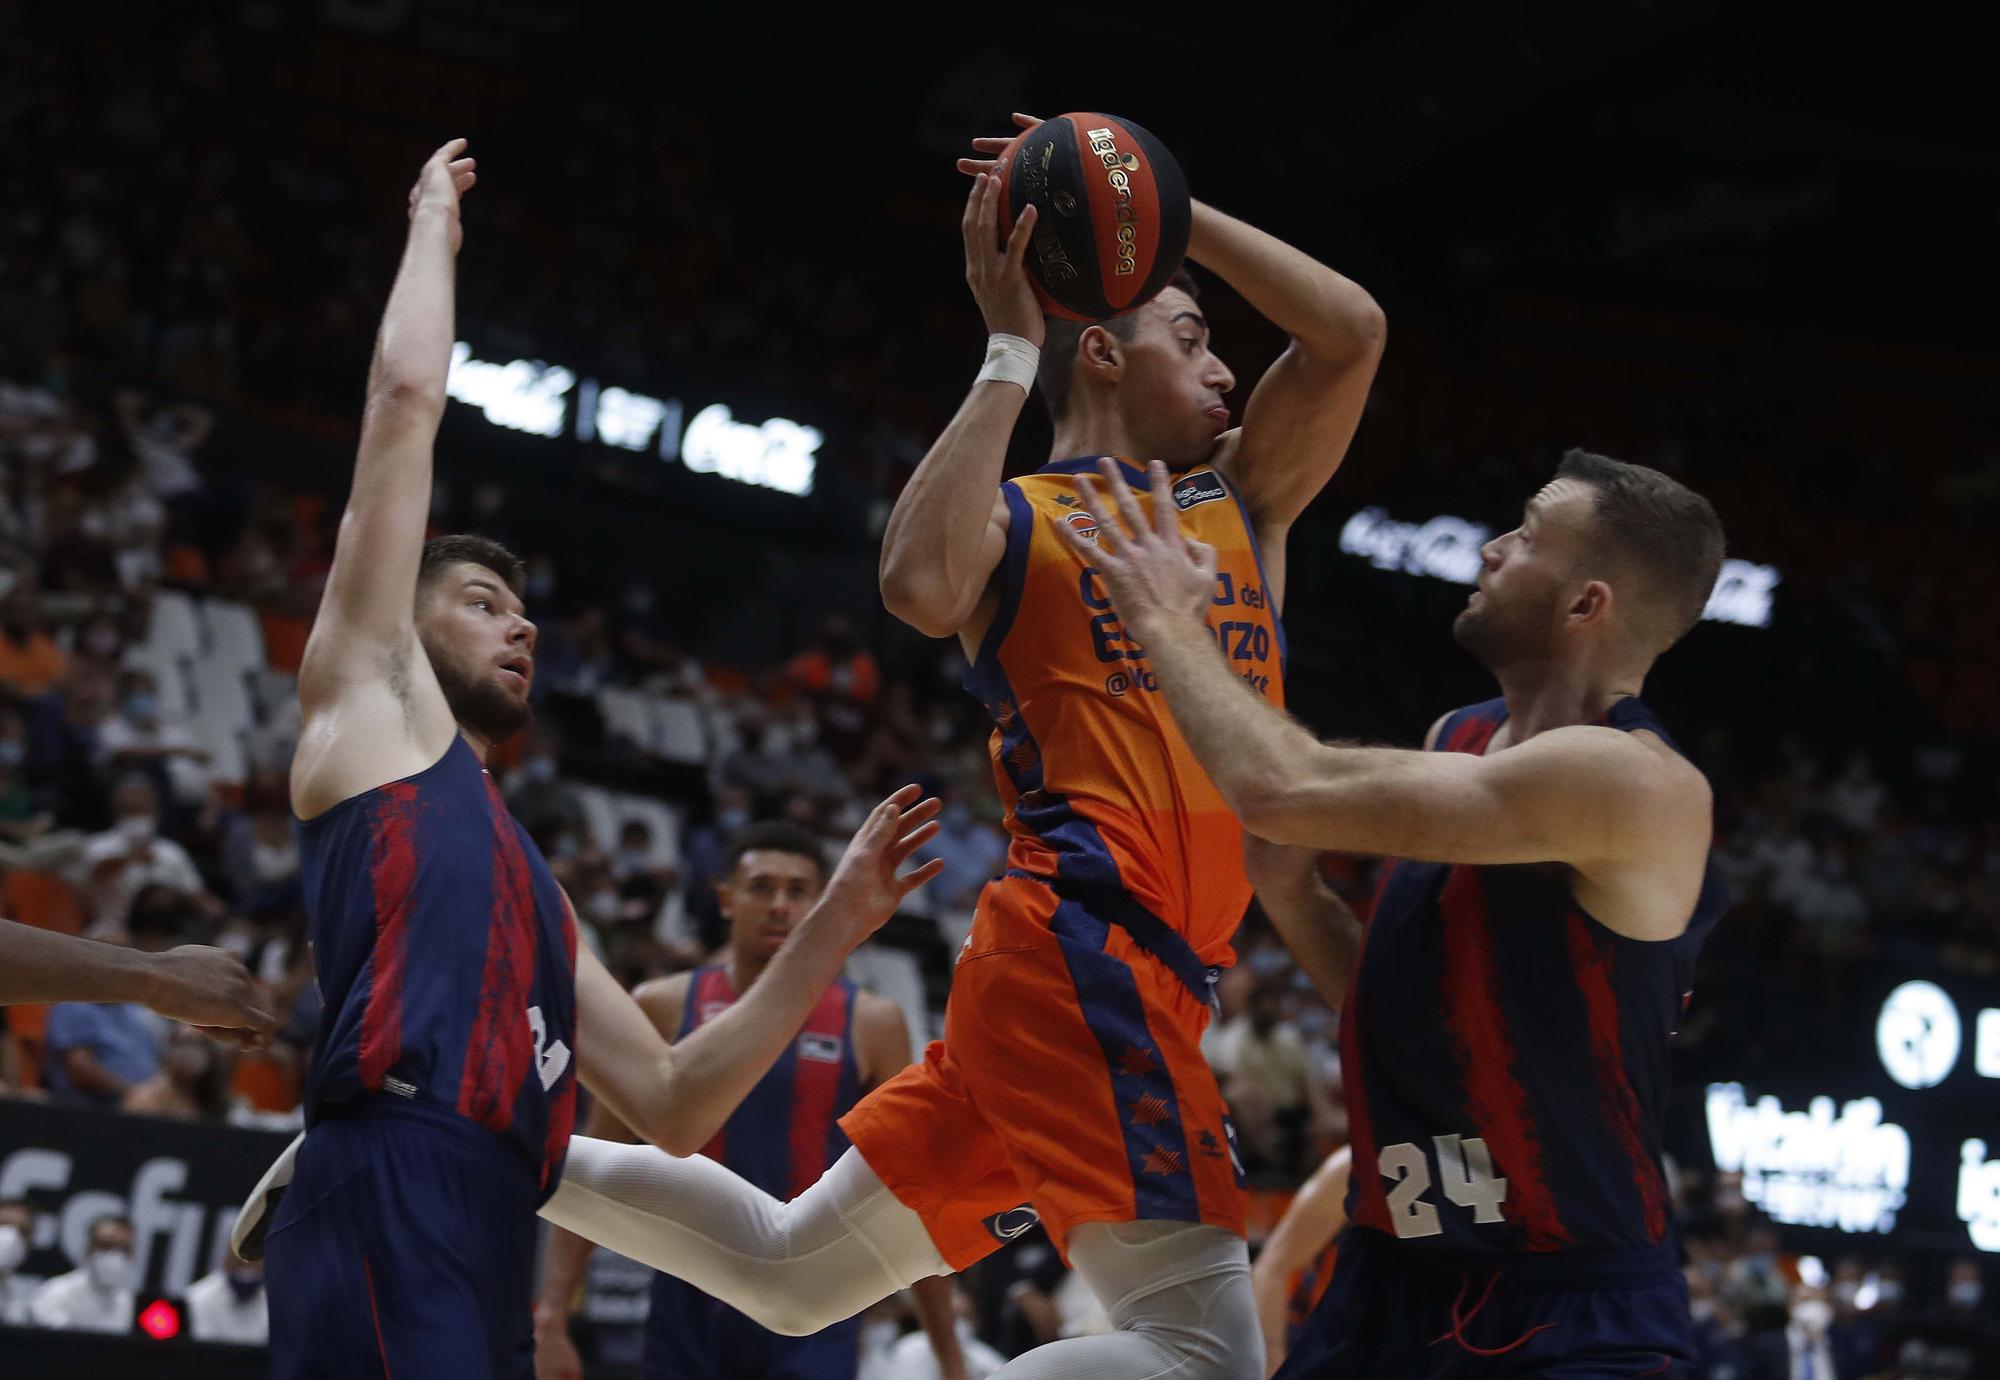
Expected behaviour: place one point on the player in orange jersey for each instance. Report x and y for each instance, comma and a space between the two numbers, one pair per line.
1070, 1083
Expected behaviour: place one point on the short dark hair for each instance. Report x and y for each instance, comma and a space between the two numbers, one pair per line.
1056, 375
110, 1219
1662, 529
463, 548
774, 836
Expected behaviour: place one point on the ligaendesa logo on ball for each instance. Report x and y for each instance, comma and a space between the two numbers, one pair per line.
1118, 170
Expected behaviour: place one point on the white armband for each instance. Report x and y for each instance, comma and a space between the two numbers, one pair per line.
1010, 359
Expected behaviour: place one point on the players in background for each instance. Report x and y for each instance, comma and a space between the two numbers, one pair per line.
1296, 1264
782, 1138
1533, 937
459, 1008
1070, 1082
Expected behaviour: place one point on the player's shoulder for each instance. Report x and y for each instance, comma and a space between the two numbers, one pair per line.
876, 1012
663, 999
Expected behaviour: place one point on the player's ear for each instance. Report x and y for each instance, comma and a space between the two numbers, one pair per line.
1594, 603
1099, 352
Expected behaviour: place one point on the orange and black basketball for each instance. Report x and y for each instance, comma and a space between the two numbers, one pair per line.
1111, 213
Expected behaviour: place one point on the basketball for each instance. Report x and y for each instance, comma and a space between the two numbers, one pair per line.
1112, 213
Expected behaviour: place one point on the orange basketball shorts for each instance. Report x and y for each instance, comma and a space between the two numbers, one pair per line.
1070, 1080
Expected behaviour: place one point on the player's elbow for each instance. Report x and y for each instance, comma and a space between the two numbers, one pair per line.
396, 393
917, 601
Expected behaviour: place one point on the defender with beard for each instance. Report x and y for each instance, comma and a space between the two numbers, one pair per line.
1534, 932
460, 1010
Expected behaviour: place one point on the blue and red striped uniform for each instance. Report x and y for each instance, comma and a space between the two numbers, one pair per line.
782, 1138
443, 1085
1505, 1060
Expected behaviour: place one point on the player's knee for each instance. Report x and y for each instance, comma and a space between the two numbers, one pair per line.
791, 1307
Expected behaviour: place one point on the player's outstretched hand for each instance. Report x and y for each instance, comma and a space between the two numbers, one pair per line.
994, 269
1151, 567
866, 887
212, 989
445, 178
993, 148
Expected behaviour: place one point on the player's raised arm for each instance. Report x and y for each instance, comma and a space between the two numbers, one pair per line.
1303, 412
678, 1096
949, 526
1605, 802
365, 630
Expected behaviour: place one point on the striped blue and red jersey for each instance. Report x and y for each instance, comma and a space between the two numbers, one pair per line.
787, 1131
446, 957
1505, 1054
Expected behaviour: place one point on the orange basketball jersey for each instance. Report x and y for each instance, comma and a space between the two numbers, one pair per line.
1101, 789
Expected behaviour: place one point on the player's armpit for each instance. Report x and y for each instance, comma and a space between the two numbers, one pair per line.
1594, 798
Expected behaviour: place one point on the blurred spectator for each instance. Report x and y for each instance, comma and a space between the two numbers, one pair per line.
17, 1221
20, 821
97, 1054
228, 1305
97, 1296
548, 807
137, 739
1805, 1346
641, 880
842, 679
30, 662
1268, 1080
973, 852
133, 854
192, 1082
1957, 1340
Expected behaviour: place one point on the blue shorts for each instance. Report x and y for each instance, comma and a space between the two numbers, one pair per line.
1396, 1313
690, 1336
404, 1248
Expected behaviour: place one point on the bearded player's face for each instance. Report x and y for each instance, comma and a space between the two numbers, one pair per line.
1171, 388
1529, 579
482, 648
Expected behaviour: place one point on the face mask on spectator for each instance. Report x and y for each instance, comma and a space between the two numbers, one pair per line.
244, 1287
142, 707
1702, 1310
730, 819
602, 906
110, 1270
138, 829
1966, 1293
11, 755
1814, 1315
13, 1248
1890, 1291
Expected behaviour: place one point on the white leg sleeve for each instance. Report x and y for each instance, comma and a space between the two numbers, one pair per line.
795, 1267
1179, 1294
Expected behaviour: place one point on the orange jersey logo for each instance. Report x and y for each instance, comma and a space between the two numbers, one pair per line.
1099, 784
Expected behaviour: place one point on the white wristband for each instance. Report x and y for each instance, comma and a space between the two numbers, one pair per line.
1010, 359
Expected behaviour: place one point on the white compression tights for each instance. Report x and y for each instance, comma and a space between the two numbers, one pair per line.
1179, 1293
